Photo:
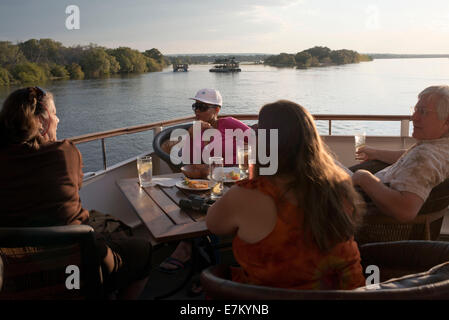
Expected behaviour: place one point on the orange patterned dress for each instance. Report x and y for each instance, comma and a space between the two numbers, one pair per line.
284, 258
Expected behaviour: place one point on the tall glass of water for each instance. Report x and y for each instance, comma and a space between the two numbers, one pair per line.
216, 176
145, 170
359, 140
243, 153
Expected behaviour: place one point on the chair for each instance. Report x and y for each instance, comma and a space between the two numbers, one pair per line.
35, 262
162, 137
426, 225
159, 145
420, 270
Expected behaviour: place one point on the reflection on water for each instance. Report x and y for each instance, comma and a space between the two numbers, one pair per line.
378, 87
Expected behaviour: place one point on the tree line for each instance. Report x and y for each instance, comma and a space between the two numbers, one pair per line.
316, 57
35, 61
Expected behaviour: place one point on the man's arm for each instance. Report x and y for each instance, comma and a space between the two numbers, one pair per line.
388, 156
400, 205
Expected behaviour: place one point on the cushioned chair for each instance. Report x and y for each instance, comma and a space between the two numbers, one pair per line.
160, 148
426, 226
35, 261
420, 270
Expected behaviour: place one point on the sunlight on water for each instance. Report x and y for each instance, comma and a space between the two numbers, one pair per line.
378, 87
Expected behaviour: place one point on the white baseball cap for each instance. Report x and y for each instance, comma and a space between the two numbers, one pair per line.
209, 96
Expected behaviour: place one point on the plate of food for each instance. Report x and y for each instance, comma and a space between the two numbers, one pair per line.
231, 174
193, 184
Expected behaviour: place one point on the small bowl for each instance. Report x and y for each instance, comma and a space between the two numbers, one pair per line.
195, 171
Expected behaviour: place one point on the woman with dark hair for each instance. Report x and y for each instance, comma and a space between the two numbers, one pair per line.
39, 183
293, 229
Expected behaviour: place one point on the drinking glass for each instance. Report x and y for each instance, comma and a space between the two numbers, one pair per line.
145, 170
360, 141
216, 176
243, 153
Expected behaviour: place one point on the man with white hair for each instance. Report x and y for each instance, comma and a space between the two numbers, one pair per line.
401, 189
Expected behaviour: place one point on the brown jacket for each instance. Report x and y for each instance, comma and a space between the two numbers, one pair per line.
40, 187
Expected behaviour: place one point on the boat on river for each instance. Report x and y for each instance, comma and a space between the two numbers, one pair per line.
180, 67
226, 66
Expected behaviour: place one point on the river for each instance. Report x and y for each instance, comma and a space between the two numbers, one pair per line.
388, 86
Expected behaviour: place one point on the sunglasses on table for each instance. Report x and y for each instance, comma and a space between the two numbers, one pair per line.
201, 106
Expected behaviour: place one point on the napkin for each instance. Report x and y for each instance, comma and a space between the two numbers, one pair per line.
165, 182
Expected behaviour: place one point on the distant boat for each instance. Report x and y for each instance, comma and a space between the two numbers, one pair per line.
226, 65
180, 67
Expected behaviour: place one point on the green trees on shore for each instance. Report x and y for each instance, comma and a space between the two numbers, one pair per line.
40, 60
316, 57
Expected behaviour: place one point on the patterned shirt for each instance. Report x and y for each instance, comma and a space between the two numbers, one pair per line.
421, 168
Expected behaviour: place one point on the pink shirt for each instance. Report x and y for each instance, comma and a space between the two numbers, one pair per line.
226, 124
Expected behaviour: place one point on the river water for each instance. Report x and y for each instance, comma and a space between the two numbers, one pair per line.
377, 87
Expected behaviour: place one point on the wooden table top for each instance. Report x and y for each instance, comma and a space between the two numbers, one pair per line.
158, 208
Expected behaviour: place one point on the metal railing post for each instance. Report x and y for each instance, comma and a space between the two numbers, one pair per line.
405, 129
330, 127
103, 148
156, 160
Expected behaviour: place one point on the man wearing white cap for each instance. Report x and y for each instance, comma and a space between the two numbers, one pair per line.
208, 103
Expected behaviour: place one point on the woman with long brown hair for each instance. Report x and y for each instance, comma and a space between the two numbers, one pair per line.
293, 229
40, 179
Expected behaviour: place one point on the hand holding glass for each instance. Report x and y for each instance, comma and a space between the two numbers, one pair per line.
145, 171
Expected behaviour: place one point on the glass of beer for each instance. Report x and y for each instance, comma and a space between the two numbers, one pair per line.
216, 176
145, 171
243, 153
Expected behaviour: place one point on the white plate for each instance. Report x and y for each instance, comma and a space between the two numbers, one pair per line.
180, 184
228, 170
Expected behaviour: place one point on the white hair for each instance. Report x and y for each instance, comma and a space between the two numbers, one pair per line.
440, 94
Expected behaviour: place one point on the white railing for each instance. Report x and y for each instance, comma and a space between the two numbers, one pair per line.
158, 126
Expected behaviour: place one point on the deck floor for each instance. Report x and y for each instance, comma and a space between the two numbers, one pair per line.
161, 283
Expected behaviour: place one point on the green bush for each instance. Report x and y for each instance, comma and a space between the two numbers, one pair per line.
5, 77
29, 73
75, 71
59, 72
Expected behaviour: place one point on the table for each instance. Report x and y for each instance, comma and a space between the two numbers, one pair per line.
158, 208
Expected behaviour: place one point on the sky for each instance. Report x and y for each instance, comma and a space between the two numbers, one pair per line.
235, 26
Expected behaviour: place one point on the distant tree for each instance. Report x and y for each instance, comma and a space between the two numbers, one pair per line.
31, 49
29, 73
315, 62
154, 54
10, 54
153, 65
59, 71
43, 51
5, 77
97, 63
46, 68
75, 71
319, 52
303, 60
326, 61
344, 56
130, 60
73, 54
281, 60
